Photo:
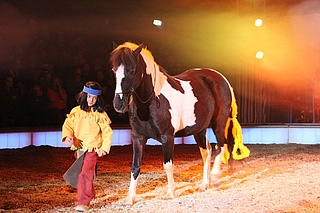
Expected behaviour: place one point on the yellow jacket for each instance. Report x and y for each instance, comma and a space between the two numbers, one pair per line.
91, 128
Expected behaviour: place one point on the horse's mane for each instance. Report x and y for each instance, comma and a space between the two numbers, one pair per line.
120, 56
117, 53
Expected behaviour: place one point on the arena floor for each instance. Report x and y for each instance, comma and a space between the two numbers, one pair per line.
275, 178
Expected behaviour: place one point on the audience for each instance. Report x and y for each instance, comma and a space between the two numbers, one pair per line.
39, 84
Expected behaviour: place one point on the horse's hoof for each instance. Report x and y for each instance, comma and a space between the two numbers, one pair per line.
129, 200
215, 181
202, 187
168, 196
171, 194
216, 184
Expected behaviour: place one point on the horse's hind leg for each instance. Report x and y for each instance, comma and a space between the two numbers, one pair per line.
230, 140
167, 150
221, 142
218, 160
205, 150
138, 149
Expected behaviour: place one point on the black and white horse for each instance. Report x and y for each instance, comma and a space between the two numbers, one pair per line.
162, 107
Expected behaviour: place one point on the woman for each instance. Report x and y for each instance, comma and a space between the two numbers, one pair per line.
87, 129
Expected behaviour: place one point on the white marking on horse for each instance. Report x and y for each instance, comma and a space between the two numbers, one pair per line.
119, 76
152, 67
206, 157
168, 167
218, 161
182, 105
132, 190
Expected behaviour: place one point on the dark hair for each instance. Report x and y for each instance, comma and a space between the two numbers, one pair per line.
82, 98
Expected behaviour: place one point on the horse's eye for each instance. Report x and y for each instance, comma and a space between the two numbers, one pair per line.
132, 71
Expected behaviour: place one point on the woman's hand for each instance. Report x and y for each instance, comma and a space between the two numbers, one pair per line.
101, 152
68, 140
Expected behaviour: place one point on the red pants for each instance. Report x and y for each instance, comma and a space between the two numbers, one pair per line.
86, 190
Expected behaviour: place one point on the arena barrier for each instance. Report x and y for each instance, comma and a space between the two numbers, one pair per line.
252, 134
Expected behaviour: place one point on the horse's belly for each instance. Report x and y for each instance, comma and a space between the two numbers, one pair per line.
181, 105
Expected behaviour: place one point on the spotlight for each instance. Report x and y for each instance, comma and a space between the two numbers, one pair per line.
259, 55
258, 22
157, 22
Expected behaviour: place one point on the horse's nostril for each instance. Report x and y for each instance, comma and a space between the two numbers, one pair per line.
119, 104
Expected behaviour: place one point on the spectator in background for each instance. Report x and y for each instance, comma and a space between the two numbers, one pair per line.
100, 78
74, 85
18, 71
33, 71
37, 106
17, 82
32, 62
99, 60
12, 110
45, 79
65, 58
87, 74
78, 59
57, 106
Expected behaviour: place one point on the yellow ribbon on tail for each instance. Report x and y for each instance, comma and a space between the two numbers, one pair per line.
239, 151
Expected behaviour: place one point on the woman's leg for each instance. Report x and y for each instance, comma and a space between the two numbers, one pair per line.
86, 190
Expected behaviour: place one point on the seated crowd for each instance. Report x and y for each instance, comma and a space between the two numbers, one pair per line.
39, 93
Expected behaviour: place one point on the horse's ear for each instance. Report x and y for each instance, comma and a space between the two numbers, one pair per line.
138, 50
114, 45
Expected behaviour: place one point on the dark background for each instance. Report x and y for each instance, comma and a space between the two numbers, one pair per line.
280, 88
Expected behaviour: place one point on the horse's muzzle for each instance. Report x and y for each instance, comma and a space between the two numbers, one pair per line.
120, 105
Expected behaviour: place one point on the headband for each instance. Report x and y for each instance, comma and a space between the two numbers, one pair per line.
91, 91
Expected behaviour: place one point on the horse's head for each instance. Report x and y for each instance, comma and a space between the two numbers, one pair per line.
127, 64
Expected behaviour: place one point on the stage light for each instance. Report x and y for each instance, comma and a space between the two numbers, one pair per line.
157, 22
258, 22
259, 55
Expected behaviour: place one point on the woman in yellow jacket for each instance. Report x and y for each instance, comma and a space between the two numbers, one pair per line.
87, 129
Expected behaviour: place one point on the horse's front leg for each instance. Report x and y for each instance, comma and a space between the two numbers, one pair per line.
138, 144
167, 150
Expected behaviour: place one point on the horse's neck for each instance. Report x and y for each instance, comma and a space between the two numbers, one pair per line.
147, 84
158, 79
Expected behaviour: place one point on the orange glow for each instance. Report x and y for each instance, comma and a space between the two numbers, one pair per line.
225, 39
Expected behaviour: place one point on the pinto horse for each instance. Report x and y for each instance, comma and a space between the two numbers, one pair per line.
162, 107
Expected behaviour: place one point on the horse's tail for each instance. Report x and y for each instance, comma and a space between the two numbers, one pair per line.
233, 134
